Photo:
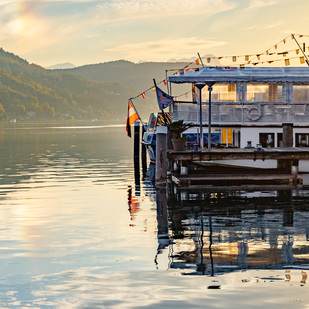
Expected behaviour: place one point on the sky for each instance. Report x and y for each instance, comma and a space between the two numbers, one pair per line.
49, 32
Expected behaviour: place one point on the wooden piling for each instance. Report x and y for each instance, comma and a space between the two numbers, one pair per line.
161, 154
287, 134
136, 140
144, 154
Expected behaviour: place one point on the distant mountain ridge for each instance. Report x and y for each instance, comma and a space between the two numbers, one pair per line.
136, 75
100, 91
66, 65
30, 92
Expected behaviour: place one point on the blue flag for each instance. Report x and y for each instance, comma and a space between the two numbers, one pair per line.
164, 100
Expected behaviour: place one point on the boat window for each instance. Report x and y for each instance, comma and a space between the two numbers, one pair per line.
152, 121
267, 139
301, 93
279, 140
302, 140
264, 93
220, 93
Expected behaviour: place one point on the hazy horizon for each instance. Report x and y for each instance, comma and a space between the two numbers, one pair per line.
84, 32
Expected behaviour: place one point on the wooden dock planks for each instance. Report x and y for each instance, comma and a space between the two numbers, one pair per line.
229, 176
287, 153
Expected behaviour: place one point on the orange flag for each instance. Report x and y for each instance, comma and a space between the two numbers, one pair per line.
132, 117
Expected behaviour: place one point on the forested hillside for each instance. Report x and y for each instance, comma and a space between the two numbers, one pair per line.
139, 76
30, 92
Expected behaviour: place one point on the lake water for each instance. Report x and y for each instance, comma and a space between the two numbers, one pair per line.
80, 230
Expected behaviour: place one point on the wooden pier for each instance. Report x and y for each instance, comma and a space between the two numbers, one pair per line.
284, 153
189, 167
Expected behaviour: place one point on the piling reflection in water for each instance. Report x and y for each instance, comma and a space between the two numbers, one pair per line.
217, 231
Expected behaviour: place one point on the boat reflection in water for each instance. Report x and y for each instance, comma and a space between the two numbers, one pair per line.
259, 236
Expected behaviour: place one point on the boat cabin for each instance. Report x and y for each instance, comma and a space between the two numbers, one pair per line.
247, 104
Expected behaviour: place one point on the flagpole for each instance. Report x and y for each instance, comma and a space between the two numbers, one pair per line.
168, 91
293, 36
201, 59
138, 114
163, 114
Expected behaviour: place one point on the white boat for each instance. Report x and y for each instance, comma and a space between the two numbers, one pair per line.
248, 106
149, 137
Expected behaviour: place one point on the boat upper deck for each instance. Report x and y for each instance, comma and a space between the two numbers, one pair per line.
247, 95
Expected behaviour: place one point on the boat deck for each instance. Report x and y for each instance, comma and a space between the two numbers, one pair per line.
206, 171
284, 153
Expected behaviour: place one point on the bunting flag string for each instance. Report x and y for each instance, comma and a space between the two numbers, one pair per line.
272, 51
286, 61
246, 59
164, 82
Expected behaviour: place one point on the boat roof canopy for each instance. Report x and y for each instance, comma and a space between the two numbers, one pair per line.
246, 74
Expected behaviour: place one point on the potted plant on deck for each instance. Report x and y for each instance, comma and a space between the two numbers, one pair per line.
177, 128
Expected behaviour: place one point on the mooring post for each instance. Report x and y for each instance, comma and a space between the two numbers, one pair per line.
161, 154
287, 134
287, 141
136, 140
144, 154
136, 155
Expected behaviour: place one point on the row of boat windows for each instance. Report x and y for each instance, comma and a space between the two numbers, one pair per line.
255, 93
268, 139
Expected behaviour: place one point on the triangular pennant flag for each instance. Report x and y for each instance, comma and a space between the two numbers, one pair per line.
197, 61
164, 82
302, 60
246, 58
287, 62
208, 60
164, 99
153, 88
234, 58
297, 51
276, 46
144, 95
132, 117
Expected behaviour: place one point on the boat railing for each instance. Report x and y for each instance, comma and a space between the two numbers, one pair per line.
245, 113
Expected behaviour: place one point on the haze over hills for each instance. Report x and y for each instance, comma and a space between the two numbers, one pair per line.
30, 92
97, 91
137, 75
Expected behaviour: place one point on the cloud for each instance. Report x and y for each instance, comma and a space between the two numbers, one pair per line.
279, 23
138, 9
258, 4
177, 48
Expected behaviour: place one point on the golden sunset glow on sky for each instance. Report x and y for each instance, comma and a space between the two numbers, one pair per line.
48, 32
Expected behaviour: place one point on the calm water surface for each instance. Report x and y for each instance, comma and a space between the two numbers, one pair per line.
80, 230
